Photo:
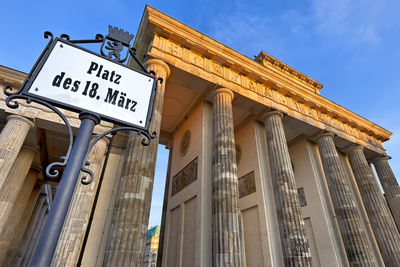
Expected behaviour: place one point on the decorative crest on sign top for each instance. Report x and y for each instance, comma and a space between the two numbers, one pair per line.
119, 35
116, 40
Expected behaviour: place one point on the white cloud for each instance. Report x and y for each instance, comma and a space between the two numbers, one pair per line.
350, 22
354, 20
357, 37
249, 33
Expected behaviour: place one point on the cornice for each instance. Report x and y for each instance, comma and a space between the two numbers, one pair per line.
270, 61
11, 76
156, 22
188, 41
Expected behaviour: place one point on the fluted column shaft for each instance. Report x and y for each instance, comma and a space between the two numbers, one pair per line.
295, 246
10, 230
22, 226
227, 237
354, 238
9, 193
127, 239
35, 235
31, 233
11, 139
390, 186
383, 225
73, 232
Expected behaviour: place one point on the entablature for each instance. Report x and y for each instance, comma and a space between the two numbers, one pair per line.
270, 62
156, 22
11, 76
163, 37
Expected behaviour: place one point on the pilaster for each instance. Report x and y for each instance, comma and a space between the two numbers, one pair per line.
354, 238
127, 239
383, 225
295, 246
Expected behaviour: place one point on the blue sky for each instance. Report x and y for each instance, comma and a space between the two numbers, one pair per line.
351, 46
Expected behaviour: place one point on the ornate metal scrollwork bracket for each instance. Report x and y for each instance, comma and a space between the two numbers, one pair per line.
115, 42
36, 89
145, 141
12, 103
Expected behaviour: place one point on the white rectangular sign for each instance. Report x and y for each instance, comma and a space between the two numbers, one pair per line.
74, 77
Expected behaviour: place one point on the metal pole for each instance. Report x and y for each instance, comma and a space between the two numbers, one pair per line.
53, 226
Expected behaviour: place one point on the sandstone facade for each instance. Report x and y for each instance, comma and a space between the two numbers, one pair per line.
263, 170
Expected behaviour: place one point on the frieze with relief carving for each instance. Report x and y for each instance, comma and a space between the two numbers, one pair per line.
302, 197
185, 177
247, 185
266, 91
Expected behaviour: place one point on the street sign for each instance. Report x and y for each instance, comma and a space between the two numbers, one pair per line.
77, 79
98, 87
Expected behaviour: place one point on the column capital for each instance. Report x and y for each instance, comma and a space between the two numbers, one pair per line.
324, 134
349, 220
33, 149
21, 119
35, 169
295, 248
12, 137
389, 184
270, 113
153, 63
381, 157
385, 230
225, 192
169, 145
353, 147
222, 90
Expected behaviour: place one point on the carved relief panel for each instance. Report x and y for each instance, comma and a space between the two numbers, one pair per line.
247, 185
185, 177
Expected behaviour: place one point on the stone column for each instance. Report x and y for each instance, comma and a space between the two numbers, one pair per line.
11, 139
24, 248
9, 192
390, 186
381, 219
37, 232
227, 235
354, 239
127, 239
11, 230
22, 226
295, 246
75, 225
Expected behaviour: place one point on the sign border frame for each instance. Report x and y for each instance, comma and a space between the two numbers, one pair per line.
43, 59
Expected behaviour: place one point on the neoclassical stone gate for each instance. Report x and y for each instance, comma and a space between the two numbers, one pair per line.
263, 170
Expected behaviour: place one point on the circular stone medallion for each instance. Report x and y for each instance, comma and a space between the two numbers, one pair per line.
184, 147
